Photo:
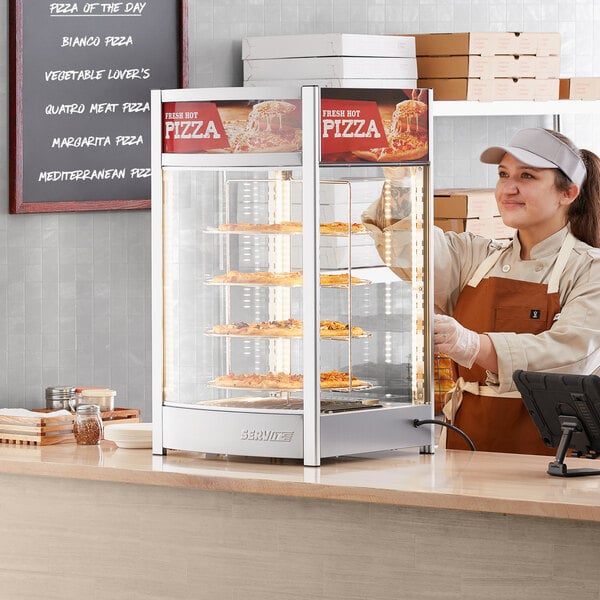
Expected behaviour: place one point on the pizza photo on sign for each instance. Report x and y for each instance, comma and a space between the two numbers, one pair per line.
386, 125
407, 132
267, 126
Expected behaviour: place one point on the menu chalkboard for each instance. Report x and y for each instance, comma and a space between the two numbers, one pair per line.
81, 75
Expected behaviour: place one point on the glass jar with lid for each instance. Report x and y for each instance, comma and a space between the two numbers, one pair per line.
101, 397
87, 425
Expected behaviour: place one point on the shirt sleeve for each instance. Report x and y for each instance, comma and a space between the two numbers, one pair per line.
455, 255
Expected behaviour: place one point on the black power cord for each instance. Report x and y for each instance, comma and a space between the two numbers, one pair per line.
418, 422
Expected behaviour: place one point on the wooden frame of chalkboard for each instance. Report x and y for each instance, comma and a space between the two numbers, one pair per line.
80, 80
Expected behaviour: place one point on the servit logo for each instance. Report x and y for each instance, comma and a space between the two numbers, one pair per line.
266, 435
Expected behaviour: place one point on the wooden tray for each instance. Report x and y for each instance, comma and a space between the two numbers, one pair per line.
37, 431
43, 431
121, 415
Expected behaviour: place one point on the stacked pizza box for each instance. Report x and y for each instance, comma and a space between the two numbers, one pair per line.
472, 210
337, 251
330, 60
489, 66
580, 88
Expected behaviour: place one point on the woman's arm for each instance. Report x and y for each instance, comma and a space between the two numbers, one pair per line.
487, 358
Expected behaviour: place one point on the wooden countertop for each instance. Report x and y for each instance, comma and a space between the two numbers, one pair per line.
460, 480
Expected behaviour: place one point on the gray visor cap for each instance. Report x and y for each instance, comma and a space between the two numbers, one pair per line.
538, 148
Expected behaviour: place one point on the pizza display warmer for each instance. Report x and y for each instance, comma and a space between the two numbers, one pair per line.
279, 329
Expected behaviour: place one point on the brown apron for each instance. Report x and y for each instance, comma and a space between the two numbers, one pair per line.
496, 423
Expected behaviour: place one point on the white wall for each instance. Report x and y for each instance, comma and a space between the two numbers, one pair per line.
74, 288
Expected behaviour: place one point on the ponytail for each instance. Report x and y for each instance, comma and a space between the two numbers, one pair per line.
584, 212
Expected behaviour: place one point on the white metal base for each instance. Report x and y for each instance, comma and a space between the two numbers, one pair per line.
279, 435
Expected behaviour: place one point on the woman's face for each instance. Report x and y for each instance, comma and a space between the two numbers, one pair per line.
528, 199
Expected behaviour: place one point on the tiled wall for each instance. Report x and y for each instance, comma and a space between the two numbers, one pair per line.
75, 288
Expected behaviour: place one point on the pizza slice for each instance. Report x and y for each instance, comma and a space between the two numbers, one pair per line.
403, 146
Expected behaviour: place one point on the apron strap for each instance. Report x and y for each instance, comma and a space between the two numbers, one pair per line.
454, 395
563, 256
486, 265
561, 261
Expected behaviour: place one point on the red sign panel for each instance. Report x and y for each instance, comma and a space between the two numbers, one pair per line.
357, 125
386, 126
232, 126
192, 127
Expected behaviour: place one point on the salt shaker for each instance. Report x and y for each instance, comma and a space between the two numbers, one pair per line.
87, 426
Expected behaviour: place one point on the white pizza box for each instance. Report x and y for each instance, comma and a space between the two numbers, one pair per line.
327, 44
355, 192
488, 67
338, 200
334, 253
341, 241
486, 90
405, 84
331, 67
362, 256
333, 212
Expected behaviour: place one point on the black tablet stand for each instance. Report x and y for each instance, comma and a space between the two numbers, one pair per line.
572, 432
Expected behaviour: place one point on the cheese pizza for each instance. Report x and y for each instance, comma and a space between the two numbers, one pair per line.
282, 227
266, 131
260, 278
336, 379
263, 114
284, 328
407, 135
291, 227
290, 278
285, 381
410, 115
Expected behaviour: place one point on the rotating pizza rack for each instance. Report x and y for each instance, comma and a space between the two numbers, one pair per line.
356, 282
345, 389
254, 229
341, 338
286, 404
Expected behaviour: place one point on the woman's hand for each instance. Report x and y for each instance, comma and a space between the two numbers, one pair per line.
461, 344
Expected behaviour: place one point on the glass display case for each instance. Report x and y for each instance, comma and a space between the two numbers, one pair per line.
287, 322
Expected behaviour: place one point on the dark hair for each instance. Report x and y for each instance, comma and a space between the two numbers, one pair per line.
584, 211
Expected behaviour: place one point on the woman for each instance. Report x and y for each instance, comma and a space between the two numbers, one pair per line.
533, 304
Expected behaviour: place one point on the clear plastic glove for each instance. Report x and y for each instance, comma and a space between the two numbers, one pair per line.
451, 338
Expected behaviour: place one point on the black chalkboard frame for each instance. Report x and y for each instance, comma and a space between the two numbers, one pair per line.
17, 39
